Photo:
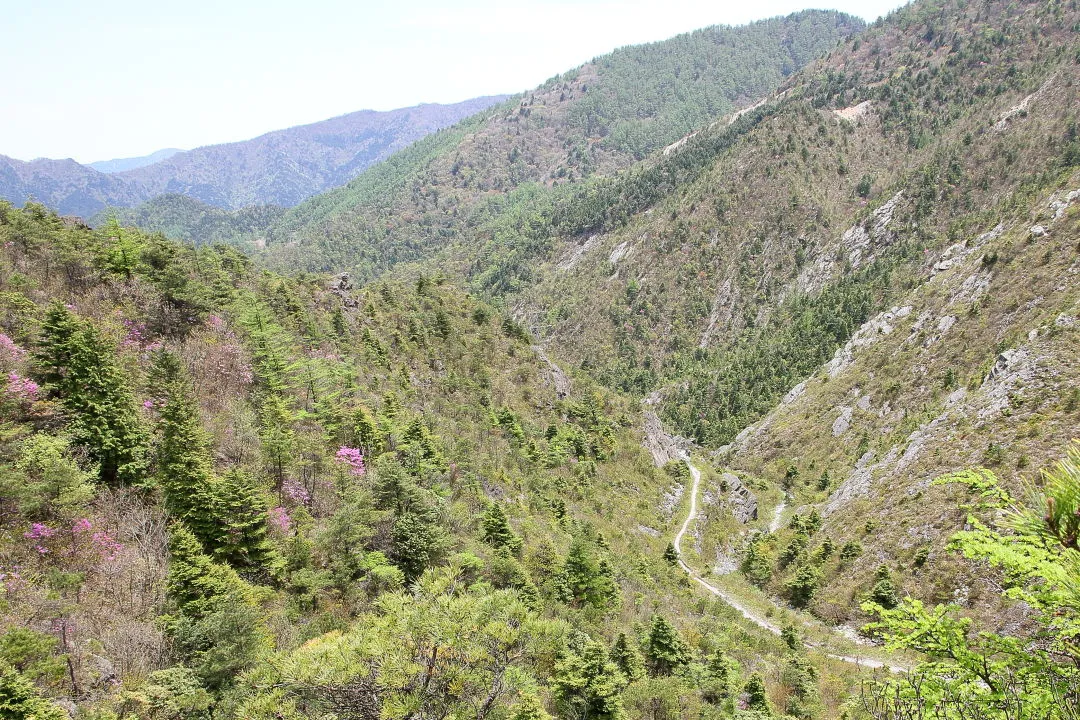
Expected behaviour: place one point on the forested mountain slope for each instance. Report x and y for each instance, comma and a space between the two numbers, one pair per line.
588, 122
280, 168
228, 493
896, 224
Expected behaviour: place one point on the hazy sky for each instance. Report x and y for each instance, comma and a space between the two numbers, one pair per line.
100, 79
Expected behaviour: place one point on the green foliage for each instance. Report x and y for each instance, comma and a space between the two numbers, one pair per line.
757, 562
171, 694
800, 675
665, 650
196, 585
497, 531
78, 366
996, 675
733, 386
723, 675
417, 539
803, 585
227, 514
46, 479
627, 657
756, 699
33, 654
884, 592
586, 683
442, 650
19, 699
586, 578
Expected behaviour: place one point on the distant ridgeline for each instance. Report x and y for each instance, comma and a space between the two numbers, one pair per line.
279, 168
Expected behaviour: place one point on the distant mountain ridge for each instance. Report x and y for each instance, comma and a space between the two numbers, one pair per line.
121, 164
283, 167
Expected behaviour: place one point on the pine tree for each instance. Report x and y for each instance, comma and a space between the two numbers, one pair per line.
529, 707
240, 512
497, 531
584, 579
884, 592
78, 366
756, 699
195, 584
628, 658
183, 458
723, 670
588, 685
365, 435
671, 554
20, 699
665, 649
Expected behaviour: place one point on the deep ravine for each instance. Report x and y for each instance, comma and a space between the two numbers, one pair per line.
734, 602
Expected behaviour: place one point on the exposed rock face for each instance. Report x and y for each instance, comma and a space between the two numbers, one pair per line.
740, 499
663, 447
556, 376
842, 422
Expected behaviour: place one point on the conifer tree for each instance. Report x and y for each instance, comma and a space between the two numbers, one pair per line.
241, 513
664, 648
584, 578
365, 435
78, 367
195, 584
529, 707
884, 592
20, 699
183, 459
628, 658
756, 699
497, 531
723, 671
588, 685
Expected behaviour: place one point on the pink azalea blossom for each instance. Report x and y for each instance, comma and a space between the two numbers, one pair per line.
39, 532
280, 520
296, 492
81, 525
353, 458
105, 545
10, 348
22, 387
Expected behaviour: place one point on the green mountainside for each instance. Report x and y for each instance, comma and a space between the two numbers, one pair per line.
590, 121
208, 466
447, 480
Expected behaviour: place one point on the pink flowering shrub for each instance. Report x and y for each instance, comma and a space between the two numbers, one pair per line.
39, 534
105, 545
9, 350
351, 458
295, 491
10, 578
280, 520
136, 334
84, 540
22, 388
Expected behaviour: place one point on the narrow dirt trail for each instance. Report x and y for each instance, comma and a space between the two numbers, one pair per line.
727, 597
778, 515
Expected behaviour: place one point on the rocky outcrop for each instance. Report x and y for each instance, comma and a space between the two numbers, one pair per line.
738, 498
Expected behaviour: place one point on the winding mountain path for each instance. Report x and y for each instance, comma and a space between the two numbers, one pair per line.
734, 602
